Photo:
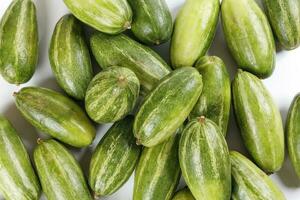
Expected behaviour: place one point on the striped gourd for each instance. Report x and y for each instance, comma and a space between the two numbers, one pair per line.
18, 42
213, 105
259, 121
17, 178
59, 172
69, 57
250, 182
113, 16
293, 133
167, 106
194, 30
112, 94
204, 160
120, 50
56, 115
284, 16
184, 194
152, 21
249, 36
158, 171
114, 159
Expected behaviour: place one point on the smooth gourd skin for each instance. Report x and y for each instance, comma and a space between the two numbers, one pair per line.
112, 17
152, 21
250, 182
293, 133
18, 42
120, 50
204, 160
158, 171
213, 105
114, 159
17, 178
194, 30
56, 115
249, 36
284, 17
259, 120
112, 94
184, 194
69, 57
59, 172
167, 106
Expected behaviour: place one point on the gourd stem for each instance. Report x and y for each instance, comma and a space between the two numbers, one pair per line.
39, 141
201, 119
127, 25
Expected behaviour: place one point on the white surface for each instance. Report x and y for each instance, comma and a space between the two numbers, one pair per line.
284, 84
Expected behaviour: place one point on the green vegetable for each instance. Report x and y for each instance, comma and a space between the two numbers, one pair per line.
59, 172
69, 57
293, 133
194, 31
114, 159
284, 17
249, 36
158, 171
152, 21
249, 182
120, 50
112, 94
213, 105
56, 115
204, 160
259, 121
17, 178
112, 17
167, 106
18, 42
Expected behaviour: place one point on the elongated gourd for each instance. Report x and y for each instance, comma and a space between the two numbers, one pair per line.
293, 133
152, 21
194, 30
249, 36
56, 115
284, 17
19, 42
259, 121
158, 171
250, 182
120, 50
112, 17
167, 106
204, 160
114, 159
59, 172
213, 105
69, 57
112, 94
17, 178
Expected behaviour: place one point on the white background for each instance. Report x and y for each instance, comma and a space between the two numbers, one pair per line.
284, 84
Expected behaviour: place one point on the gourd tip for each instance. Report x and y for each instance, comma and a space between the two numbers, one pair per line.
15, 94
127, 25
39, 141
122, 78
157, 42
96, 196
122, 81
201, 119
138, 142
